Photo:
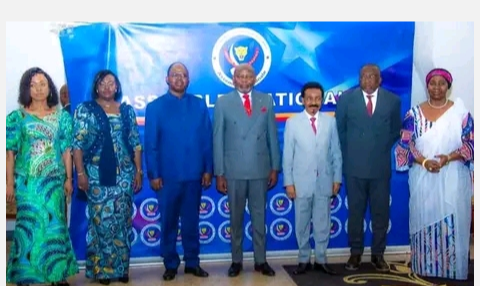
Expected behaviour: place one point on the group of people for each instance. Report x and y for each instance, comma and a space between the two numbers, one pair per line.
184, 150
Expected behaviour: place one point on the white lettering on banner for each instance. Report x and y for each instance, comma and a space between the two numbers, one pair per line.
139, 102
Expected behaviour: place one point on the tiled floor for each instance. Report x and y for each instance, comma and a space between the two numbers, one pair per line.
152, 276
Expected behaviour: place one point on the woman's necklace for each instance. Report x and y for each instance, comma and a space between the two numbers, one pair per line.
437, 107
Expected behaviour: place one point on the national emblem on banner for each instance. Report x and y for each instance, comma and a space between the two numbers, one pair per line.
179, 233
335, 227
280, 204
134, 236
207, 232
224, 232
335, 204
241, 46
207, 207
150, 235
223, 207
281, 229
149, 210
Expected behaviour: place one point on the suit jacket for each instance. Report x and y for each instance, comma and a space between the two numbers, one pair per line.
312, 163
367, 141
178, 138
245, 148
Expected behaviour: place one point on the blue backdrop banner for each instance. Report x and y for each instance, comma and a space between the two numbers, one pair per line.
285, 56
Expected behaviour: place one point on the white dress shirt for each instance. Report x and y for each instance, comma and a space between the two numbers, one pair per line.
310, 116
374, 99
249, 96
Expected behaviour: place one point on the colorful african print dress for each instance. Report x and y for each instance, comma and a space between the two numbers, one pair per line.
41, 251
440, 203
110, 208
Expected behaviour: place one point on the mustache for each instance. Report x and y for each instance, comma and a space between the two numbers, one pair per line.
314, 105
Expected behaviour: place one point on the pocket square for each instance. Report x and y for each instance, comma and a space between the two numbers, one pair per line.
264, 109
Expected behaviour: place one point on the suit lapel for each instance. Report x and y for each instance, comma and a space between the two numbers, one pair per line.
307, 126
380, 104
257, 106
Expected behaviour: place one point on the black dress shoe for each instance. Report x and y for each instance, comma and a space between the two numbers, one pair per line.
64, 283
353, 262
124, 279
324, 268
235, 269
380, 264
196, 271
302, 268
169, 274
265, 269
104, 281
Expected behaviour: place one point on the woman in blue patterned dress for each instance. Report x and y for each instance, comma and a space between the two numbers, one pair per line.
107, 156
39, 177
437, 148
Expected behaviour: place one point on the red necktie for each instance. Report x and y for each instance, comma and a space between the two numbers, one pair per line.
246, 104
312, 119
369, 105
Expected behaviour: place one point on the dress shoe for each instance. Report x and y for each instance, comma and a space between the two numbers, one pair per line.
196, 271
63, 283
124, 279
380, 264
104, 281
302, 268
353, 262
169, 274
324, 268
265, 269
235, 269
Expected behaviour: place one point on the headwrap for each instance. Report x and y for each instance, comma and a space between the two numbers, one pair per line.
441, 72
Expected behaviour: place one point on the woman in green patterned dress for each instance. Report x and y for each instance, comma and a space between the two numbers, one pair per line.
39, 177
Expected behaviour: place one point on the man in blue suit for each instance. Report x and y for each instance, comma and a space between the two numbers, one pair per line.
312, 174
179, 158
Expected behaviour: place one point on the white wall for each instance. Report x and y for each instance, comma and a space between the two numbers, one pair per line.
448, 45
437, 44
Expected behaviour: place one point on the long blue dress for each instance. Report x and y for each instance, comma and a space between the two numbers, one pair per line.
110, 210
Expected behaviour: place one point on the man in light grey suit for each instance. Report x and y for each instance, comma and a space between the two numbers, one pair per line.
246, 161
369, 121
312, 168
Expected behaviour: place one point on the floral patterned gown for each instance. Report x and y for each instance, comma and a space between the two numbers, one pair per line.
41, 251
110, 208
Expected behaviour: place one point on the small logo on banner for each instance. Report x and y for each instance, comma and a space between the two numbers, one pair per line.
364, 226
134, 210
134, 236
207, 207
335, 204
388, 230
149, 210
281, 229
224, 232
150, 235
179, 233
280, 204
241, 46
223, 207
249, 230
335, 227
207, 232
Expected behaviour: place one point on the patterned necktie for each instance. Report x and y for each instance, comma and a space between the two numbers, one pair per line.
370, 105
246, 104
312, 119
